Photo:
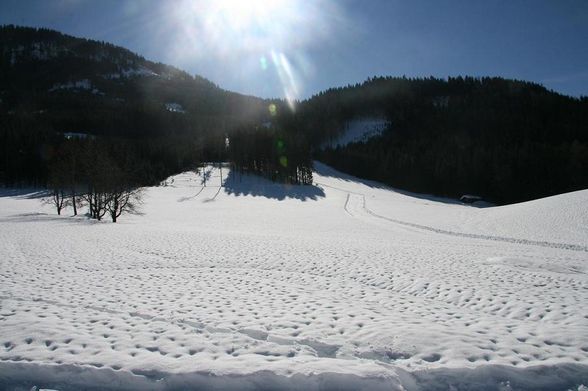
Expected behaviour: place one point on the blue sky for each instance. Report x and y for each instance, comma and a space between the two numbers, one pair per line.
295, 48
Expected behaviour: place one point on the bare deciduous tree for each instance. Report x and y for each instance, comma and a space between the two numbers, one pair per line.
57, 199
107, 175
57, 183
125, 200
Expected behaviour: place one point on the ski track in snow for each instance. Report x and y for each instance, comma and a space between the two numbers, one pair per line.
324, 291
354, 198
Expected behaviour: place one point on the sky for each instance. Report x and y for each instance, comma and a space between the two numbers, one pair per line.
295, 48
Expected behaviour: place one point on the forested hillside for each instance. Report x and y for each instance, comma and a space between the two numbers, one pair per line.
505, 140
52, 84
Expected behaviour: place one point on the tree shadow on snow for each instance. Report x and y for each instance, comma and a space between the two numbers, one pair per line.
248, 184
35, 217
327, 171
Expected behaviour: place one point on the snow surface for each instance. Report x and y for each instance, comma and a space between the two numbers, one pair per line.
78, 135
344, 285
140, 71
174, 107
83, 84
359, 130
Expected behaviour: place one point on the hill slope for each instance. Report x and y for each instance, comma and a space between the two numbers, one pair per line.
505, 140
53, 84
78, 84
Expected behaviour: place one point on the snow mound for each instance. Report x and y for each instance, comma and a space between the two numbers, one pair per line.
485, 378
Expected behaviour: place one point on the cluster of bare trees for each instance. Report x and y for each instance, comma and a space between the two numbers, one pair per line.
89, 173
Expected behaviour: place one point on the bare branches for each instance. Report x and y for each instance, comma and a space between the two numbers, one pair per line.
123, 201
57, 199
97, 174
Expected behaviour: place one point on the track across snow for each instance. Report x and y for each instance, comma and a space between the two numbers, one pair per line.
359, 199
343, 285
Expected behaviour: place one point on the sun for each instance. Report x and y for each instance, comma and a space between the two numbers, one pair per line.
250, 17
269, 40
238, 26
251, 22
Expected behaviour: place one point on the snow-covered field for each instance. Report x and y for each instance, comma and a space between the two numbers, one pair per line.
345, 285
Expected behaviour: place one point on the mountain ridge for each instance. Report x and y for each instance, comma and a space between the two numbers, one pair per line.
505, 140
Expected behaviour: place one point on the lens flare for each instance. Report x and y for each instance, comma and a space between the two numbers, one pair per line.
284, 161
287, 78
263, 63
273, 110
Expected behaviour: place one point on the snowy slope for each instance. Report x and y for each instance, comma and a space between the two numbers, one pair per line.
359, 130
343, 285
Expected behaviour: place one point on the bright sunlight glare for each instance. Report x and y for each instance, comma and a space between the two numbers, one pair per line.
249, 17
267, 39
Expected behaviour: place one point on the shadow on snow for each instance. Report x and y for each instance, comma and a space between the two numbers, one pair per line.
248, 184
24, 376
27, 193
327, 171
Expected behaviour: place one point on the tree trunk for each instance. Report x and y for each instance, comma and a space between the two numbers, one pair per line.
58, 200
114, 209
73, 198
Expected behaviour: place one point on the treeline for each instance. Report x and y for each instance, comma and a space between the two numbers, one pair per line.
29, 145
273, 153
505, 140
